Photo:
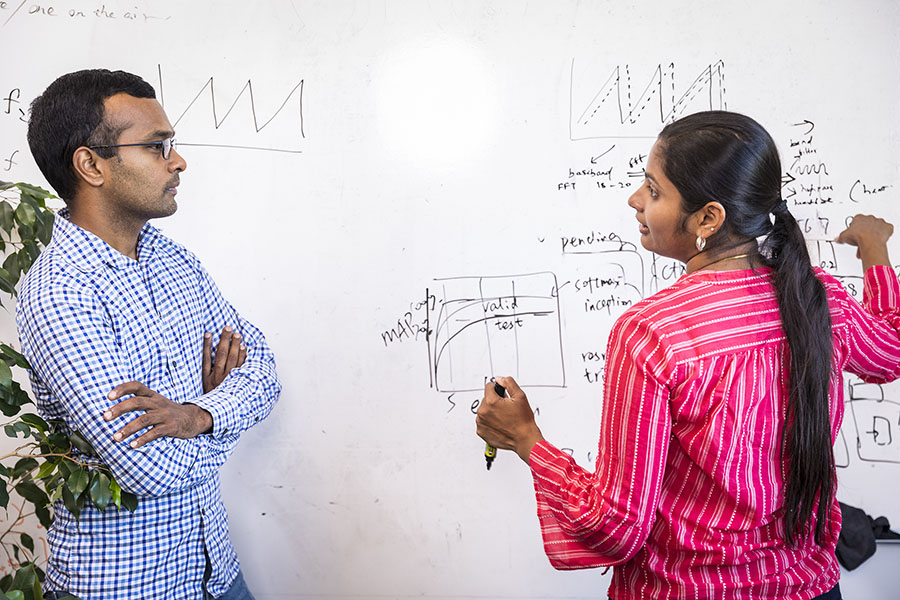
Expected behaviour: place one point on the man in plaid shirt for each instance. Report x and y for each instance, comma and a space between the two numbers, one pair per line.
116, 322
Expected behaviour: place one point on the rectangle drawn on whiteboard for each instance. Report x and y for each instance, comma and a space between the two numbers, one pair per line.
876, 421
500, 325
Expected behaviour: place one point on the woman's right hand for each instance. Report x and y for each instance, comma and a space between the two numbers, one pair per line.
507, 423
870, 235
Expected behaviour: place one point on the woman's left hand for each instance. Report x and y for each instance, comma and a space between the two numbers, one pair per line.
507, 423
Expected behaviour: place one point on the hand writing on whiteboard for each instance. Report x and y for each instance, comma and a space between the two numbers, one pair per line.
870, 236
507, 423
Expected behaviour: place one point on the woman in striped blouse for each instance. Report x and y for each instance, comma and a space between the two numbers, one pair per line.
723, 393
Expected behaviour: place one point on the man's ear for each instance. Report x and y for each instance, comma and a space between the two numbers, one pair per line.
710, 218
87, 167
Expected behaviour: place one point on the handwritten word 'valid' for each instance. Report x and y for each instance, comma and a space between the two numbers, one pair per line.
48, 10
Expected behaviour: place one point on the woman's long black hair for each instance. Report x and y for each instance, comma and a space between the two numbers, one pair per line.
729, 158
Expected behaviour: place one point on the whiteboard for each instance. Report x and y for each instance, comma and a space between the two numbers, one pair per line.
372, 182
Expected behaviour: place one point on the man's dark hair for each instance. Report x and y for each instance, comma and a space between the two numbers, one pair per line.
69, 114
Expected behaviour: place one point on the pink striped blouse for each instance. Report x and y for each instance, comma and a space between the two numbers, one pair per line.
686, 500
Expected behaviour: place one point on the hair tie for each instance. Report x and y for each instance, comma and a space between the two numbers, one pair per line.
781, 208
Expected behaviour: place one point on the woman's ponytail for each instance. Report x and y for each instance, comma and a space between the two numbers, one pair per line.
729, 158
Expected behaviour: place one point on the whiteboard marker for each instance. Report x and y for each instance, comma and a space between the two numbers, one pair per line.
489, 451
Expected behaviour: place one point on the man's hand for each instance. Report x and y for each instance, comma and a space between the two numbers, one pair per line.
164, 417
230, 353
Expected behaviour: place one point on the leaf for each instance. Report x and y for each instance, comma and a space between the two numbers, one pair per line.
8, 351
23, 257
5, 374
57, 492
46, 229
31, 492
43, 515
100, 493
24, 578
9, 429
27, 542
4, 494
11, 266
72, 503
23, 428
33, 251
6, 216
59, 442
24, 465
37, 192
81, 443
5, 185
35, 421
14, 595
116, 490
129, 501
78, 481
46, 469
25, 214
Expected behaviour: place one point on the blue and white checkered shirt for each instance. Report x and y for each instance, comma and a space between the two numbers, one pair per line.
89, 319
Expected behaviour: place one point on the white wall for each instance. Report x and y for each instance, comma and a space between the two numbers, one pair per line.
419, 146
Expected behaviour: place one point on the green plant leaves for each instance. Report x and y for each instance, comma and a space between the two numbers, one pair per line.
25, 214
81, 444
100, 493
35, 421
5, 375
78, 481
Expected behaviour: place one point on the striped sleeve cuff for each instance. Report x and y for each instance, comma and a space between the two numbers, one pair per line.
881, 290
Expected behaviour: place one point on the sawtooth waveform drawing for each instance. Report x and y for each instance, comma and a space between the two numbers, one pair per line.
623, 107
281, 131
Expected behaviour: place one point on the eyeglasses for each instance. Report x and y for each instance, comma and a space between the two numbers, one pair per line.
165, 146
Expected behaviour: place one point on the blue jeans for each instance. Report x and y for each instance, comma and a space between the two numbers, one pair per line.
237, 591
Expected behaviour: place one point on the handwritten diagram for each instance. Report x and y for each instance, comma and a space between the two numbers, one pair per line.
203, 116
872, 421
489, 325
622, 106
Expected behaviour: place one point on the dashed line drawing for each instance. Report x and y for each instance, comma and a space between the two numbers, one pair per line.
615, 111
505, 324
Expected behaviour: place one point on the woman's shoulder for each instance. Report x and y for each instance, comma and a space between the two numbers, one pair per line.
705, 291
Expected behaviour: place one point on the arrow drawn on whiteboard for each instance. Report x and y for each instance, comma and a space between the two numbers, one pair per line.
808, 123
594, 158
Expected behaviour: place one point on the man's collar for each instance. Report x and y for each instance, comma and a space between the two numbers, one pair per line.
88, 252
